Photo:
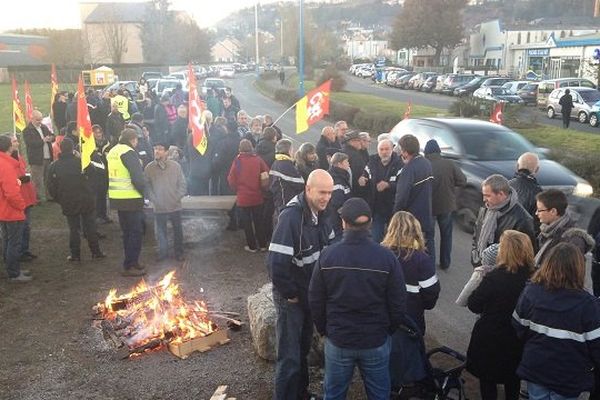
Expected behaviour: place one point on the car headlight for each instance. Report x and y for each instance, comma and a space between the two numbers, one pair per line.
583, 189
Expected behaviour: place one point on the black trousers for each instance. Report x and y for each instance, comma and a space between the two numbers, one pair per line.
566, 118
489, 391
101, 211
88, 223
251, 219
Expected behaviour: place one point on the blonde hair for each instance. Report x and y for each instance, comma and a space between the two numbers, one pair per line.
404, 233
515, 251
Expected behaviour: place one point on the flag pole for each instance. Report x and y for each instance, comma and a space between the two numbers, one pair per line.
285, 112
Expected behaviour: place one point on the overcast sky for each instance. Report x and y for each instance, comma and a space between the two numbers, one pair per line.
65, 13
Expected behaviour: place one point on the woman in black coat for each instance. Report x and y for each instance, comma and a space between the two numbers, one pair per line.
494, 350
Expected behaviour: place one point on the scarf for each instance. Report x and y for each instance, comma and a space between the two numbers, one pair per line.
282, 157
549, 232
490, 221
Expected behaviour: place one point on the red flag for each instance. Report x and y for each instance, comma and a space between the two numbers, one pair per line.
313, 107
196, 115
87, 143
53, 87
408, 110
497, 116
18, 118
28, 102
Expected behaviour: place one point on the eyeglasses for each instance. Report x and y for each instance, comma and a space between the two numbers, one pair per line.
542, 210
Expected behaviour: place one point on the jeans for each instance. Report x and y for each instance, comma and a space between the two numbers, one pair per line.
539, 392
251, 219
11, 246
88, 223
294, 336
445, 224
373, 366
26, 232
132, 226
378, 227
489, 390
161, 233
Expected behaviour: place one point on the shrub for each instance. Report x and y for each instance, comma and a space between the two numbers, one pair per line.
470, 107
342, 112
286, 96
338, 82
375, 123
268, 75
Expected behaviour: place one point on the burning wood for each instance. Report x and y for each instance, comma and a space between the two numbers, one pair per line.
150, 317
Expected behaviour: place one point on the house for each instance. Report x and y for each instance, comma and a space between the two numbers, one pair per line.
112, 32
226, 50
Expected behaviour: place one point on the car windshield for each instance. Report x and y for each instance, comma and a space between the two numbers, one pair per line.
590, 96
493, 144
499, 91
530, 87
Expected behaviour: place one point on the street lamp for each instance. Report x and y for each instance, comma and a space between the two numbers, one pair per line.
279, 23
301, 51
256, 37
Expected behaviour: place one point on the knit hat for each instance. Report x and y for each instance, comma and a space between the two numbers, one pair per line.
489, 255
432, 146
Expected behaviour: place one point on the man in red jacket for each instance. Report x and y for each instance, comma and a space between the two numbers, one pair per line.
248, 176
12, 212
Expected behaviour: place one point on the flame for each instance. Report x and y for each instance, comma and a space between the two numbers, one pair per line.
156, 312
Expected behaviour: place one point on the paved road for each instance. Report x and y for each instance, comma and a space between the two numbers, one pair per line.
447, 323
361, 85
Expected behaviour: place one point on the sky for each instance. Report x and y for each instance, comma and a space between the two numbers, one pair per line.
59, 14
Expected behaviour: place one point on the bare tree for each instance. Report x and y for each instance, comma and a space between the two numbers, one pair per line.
115, 41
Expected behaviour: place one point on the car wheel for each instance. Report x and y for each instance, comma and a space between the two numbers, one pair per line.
551, 112
594, 120
582, 117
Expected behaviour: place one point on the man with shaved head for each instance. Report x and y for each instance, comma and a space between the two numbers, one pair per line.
299, 236
526, 186
326, 141
38, 140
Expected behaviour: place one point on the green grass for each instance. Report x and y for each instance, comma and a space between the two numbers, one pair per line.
556, 138
367, 102
40, 94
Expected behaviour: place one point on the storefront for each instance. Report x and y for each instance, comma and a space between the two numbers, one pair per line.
537, 61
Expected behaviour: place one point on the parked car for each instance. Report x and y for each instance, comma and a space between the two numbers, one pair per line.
595, 115
402, 82
366, 71
528, 93
514, 86
497, 81
469, 87
151, 75
497, 93
455, 80
546, 87
226, 72
417, 81
131, 86
429, 84
439, 83
213, 83
583, 100
482, 148
165, 86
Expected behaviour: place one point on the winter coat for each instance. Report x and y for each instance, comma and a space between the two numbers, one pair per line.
516, 219
356, 295
12, 205
59, 109
323, 146
245, 176
35, 144
27, 188
295, 247
131, 161
566, 103
382, 203
560, 331
306, 169
414, 190
357, 166
69, 187
162, 126
225, 149
143, 148
265, 149
567, 233
214, 105
286, 182
594, 231
200, 165
527, 188
114, 126
494, 349
447, 176
179, 134
422, 285
341, 193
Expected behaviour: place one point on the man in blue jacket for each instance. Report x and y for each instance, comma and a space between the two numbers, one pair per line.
357, 297
414, 187
301, 233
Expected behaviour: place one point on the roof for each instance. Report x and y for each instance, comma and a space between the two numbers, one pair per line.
581, 40
555, 23
118, 12
17, 50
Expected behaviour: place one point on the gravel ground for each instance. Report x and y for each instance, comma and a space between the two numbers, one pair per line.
50, 350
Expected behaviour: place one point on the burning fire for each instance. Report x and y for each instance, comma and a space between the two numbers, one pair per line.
159, 312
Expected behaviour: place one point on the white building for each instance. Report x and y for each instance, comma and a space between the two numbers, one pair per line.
367, 47
226, 50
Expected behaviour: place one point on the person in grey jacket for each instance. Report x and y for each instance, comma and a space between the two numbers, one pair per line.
447, 176
166, 187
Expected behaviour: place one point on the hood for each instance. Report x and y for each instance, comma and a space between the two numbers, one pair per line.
550, 173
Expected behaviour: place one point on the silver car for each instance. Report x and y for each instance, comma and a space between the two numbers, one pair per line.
583, 100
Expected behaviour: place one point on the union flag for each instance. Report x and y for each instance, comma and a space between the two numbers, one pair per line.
28, 102
196, 115
53, 87
18, 118
313, 107
87, 143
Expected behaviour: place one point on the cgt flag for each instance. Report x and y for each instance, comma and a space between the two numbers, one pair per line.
18, 117
53, 88
87, 143
312, 107
28, 102
196, 115
408, 111
497, 116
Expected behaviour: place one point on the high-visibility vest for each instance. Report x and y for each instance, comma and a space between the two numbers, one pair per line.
119, 178
122, 105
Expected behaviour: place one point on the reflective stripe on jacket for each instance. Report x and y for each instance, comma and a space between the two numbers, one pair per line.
120, 185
